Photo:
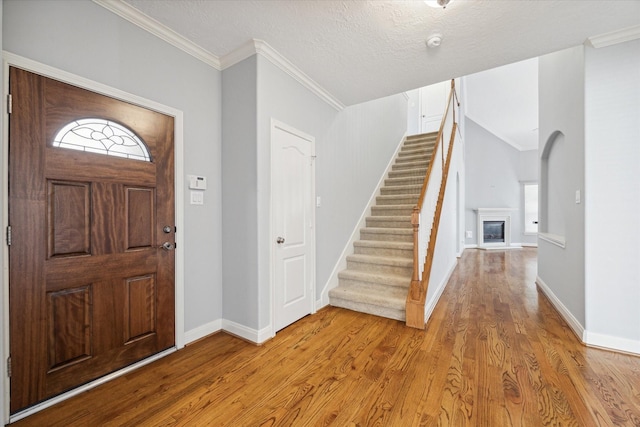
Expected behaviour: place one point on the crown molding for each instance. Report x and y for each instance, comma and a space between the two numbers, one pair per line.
133, 15
260, 47
248, 49
263, 48
615, 37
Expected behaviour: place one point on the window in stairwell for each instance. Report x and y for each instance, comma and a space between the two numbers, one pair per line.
530, 191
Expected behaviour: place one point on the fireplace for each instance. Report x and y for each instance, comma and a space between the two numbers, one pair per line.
493, 231
494, 228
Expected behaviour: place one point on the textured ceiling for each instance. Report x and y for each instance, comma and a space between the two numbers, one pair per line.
362, 50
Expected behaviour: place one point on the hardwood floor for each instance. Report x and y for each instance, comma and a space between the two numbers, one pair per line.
495, 353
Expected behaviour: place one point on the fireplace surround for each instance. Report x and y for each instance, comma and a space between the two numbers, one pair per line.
494, 228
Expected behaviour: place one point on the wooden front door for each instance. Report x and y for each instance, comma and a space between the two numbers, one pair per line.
91, 287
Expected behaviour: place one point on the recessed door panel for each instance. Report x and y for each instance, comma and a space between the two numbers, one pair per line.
69, 218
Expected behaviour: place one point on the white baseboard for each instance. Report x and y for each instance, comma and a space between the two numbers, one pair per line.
355, 234
608, 342
471, 246
202, 331
252, 335
529, 245
564, 312
431, 304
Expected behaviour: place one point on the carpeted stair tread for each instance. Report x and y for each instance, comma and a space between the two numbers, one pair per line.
397, 199
365, 277
402, 189
409, 173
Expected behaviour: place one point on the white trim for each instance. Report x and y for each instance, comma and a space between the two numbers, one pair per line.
252, 47
133, 15
341, 264
93, 384
285, 65
246, 333
202, 331
275, 124
562, 310
615, 37
471, 246
528, 245
10, 59
609, 342
431, 304
552, 238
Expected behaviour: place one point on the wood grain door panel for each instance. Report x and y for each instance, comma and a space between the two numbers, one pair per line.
90, 290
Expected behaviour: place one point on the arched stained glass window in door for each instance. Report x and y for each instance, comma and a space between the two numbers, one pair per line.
94, 135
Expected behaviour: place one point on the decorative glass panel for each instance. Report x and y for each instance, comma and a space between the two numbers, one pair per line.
103, 137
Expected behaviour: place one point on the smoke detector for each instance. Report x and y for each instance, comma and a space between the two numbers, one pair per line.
434, 40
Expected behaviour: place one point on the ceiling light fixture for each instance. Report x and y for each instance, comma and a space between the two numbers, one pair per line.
438, 3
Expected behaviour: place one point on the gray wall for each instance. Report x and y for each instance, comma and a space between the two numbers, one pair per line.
561, 104
239, 190
494, 174
353, 147
86, 39
612, 195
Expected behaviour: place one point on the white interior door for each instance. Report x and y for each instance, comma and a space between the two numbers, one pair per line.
293, 224
433, 101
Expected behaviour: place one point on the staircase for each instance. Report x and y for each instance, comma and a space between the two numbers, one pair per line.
378, 273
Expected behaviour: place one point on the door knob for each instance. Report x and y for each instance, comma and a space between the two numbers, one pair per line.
168, 246
166, 229
280, 240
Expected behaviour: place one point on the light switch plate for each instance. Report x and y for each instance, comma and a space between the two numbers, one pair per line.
197, 198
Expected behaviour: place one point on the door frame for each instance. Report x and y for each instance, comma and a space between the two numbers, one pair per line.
10, 59
275, 124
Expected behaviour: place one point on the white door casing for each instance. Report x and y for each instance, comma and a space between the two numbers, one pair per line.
292, 224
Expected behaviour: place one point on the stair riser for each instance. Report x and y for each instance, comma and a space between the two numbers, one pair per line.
391, 210
379, 222
369, 309
397, 200
386, 237
373, 286
401, 189
392, 252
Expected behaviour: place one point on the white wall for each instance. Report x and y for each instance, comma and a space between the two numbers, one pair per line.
445, 255
561, 103
612, 196
494, 173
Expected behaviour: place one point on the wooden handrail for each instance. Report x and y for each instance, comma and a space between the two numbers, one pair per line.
425, 183
416, 296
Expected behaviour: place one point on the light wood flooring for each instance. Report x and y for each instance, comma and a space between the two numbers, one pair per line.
495, 353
